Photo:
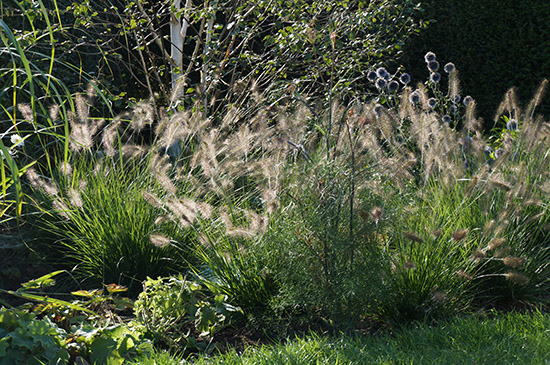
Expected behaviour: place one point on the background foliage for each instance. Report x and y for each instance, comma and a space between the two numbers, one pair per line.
495, 46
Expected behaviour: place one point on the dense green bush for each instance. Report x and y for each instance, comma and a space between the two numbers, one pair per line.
180, 313
495, 45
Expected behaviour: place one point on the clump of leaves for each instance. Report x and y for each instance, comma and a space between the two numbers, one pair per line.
24, 339
88, 328
179, 312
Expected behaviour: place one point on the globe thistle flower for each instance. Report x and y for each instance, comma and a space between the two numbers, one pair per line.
371, 76
453, 109
456, 99
435, 77
380, 83
432, 102
467, 100
414, 97
499, 152
446, 118
512, 125
378, 109
487, 150
381, 72
393, 86
405, 78
433, 66
449, 67
429, 57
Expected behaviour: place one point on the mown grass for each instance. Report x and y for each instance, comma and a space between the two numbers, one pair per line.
501, 339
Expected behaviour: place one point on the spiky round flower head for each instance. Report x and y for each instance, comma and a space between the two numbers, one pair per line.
512, 125
429, 57
371, 76
378, 109
405, 78
456, 99
467, 100
381, 72
449, 67
499, 152
432, 102
380, 83
487, 150
453, 109
414, 97
435, 77
433, 66
393, 86
446, 118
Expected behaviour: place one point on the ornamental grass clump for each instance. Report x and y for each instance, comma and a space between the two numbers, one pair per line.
89, 212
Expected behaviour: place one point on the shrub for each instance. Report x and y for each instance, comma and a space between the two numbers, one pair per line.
180, 313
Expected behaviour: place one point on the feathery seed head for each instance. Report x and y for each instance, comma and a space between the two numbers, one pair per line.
439, 297
413, 237
464, 275
478, 255
495, 243
61, 208
514, 262
517, 278
26, 112
460, 234
151, 199
159, 240
75, 199
37, 182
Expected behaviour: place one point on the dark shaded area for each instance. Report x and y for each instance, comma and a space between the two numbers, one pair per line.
494, 44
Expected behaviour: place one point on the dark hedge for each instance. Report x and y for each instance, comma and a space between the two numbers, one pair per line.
495, 45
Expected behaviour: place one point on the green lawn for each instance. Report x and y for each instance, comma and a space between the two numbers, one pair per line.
506, 339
